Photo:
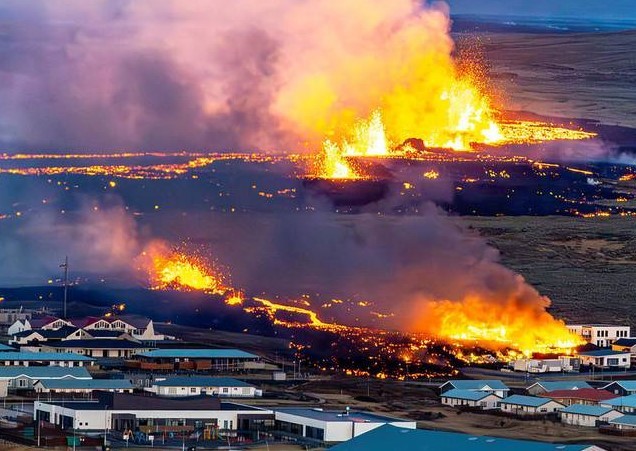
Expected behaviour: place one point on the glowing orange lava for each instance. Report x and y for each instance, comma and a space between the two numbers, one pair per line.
527, 328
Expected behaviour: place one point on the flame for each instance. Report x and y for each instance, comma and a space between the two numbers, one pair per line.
526, 328
168, 268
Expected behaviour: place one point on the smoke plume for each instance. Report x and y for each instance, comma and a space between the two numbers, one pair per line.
272, 74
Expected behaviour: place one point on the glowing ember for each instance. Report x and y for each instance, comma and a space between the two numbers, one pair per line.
312, 317
528, 132
523, 327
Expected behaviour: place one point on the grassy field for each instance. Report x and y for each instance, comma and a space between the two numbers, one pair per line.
587, 267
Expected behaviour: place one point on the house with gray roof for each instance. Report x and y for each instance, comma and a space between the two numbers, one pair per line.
547, 386
83, 385
204, 385
529, 405
487, 385
470, 398
588, 416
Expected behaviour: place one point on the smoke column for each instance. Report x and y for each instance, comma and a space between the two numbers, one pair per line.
267, 75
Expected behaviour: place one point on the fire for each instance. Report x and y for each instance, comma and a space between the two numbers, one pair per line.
513, 325
168, 268
312, 317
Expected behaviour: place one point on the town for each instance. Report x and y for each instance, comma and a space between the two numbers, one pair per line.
116, 380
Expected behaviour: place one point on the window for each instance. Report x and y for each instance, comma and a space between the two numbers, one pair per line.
193, 390
226, 390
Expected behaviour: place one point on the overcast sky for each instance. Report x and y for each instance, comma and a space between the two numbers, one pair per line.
610, 9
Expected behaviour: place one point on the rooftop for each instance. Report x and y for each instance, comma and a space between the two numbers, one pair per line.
471, 395
41, 372
621, 401
338, 415
589, 394
42, 356
630, 341
198, 354
98, 343
602, 352
627, 385
581, 409
562, 385
469, 384
629, 420
4, 347
92, 384
201, 381
521, 400
390, 438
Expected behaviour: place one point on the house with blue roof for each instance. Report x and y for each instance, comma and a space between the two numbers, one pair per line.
468, 398
621, 388
487, 385
83, 385
606, 358
529, 405
626, 422
395, 438
542, 387
589, 416
625, 404
24, 377
204, 385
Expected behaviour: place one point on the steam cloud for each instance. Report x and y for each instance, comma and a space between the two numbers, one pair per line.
165, 74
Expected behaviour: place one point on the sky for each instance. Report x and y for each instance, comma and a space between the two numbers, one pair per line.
594, 9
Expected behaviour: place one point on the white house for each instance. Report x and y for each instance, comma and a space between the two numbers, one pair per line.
18, 326
626, 345
138, 327
541, 387
480, 399
606, 358
489, 386
589, 416
83, 385
529, 405
198, 385
97, 347
331, 425
48, 322
24, 377
25, 358
601, 335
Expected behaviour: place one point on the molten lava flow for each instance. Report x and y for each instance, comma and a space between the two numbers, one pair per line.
530, 132
312, 317
332, 164
526, 328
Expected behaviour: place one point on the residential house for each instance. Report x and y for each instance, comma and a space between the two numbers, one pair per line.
470, 398
489, 386
24, 377
606, 358
138, 327
621, 388
529, 405
624, 423
203, 385
48, 322
19, 325
601, 335
589, 416
97, 347
547, 386
83, 386
626, 345
587, 396
24, 358
625, 404
34, 337
387, 437
332, 426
